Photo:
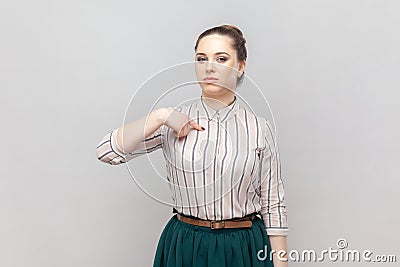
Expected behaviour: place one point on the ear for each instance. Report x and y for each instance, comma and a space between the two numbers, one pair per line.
242, 66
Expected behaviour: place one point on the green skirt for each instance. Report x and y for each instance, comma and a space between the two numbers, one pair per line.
185, 245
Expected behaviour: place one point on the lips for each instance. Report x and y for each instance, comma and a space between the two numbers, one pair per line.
210, 79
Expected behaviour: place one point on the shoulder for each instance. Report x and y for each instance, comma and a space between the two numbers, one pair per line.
269, 132
265, 126
245, 112
249, 115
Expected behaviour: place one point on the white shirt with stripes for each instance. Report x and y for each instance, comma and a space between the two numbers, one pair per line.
229, 170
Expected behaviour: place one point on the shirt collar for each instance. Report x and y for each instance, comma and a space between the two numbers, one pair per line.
222, 114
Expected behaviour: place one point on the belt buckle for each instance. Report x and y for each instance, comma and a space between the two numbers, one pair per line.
214, 224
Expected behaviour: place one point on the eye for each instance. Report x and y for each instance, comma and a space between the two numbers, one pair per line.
222, 59
201, 59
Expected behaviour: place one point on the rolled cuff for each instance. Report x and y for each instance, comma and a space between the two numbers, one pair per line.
277, 231
114, 144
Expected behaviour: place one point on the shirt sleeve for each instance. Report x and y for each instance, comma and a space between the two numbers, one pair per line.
108, 150
273, 208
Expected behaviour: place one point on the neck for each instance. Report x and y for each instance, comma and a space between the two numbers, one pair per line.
218, 102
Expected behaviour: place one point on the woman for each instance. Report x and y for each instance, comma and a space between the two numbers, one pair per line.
222, 161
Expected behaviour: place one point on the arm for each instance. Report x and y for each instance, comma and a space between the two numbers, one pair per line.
279, 243
142, 136
133, 139
131, 135
272, 195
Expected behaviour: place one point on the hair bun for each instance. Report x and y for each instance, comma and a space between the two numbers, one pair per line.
233, 28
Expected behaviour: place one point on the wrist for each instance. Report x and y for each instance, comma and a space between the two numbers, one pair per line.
162, 114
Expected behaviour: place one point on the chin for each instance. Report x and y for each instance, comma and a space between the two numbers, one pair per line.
213, 89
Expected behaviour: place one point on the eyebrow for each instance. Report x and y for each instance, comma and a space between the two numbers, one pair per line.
218, 53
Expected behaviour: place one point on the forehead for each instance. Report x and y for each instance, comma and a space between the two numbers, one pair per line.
214, 43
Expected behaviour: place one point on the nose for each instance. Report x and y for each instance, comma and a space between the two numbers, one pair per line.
210, 66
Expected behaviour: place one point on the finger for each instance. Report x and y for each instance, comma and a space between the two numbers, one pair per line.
196, 126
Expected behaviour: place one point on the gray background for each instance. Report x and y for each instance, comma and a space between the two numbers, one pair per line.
330, 70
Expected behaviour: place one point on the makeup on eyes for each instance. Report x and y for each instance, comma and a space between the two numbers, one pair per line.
223, 59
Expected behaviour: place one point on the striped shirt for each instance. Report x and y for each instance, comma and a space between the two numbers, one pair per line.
229, 170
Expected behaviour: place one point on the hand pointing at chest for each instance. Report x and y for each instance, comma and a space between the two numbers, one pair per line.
180, 122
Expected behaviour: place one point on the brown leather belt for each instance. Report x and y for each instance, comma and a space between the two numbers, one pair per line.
245, 222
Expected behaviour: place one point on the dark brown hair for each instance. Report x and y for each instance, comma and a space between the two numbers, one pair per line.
239, 42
